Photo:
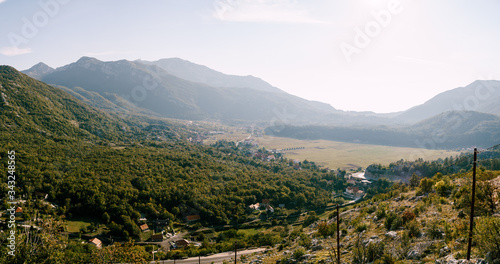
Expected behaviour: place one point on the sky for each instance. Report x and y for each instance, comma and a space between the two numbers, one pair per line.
360, 55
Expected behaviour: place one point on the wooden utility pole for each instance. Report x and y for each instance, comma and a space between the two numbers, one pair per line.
235, 251
472, 203
338, 235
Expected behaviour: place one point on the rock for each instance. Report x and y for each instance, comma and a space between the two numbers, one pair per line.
316, 247
444, 251
413, 254
375, 219
392, 234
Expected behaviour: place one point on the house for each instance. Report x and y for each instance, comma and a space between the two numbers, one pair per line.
144, 227
271, 157
96, 242
354, 192
191, 218
266, 202
255, 206
157, 237
19, 211
270, 208
182, 243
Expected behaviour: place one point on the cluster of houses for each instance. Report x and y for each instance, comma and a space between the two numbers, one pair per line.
355, 191
264, 205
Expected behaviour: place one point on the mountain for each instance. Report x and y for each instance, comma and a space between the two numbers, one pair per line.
202, 74
38, 70
480, 96
32, 107
152, 89
449, 130
455, 129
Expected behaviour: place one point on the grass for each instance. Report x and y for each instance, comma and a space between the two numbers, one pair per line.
333, 154
73, 226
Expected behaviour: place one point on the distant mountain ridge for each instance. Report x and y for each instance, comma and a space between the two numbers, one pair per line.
202, 74
152, 89
181, 89
480, 96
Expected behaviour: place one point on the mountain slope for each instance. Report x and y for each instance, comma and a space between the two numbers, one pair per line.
201, 74
480, 96
30, 106
450, 130
152, 88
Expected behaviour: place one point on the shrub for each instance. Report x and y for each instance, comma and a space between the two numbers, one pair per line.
413, 228
408, 216
298, 253
393, 221
433, 230
488, 236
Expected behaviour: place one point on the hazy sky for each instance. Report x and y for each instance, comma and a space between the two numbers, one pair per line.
375, 55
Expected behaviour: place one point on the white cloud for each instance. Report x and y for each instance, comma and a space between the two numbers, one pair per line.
14, 51
280, 11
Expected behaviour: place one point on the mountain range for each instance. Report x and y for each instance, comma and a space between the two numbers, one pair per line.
177, 88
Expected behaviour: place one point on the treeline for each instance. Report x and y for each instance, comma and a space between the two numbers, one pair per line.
422, 135
488, 159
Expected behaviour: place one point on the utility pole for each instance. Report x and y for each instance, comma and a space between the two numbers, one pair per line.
235, 251
338, 235
472, 203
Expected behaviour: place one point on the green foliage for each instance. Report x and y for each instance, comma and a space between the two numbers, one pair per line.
414, 180
487, 233
444, 187
426, 185
326, 230
311, 218
298, 253
433, 230
413, 228
393, 221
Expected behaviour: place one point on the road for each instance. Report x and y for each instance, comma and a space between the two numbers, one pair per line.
216, 258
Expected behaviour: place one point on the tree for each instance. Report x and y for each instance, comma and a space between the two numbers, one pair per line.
426, 185
414, 180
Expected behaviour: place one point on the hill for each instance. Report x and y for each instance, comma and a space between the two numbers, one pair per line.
28, 106
450, 130
479, 96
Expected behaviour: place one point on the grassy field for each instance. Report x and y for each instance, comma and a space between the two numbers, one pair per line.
342, 155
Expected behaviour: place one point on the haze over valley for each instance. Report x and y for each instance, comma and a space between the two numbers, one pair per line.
250, 131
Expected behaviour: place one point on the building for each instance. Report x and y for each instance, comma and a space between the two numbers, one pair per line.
191, 218
144, 227
182, 243
19, 211
255, 206
96, 242
157, 237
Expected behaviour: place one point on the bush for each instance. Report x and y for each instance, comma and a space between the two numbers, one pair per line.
488, 236
298, 253
408, 216
393, 221
433, 230
413, 228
